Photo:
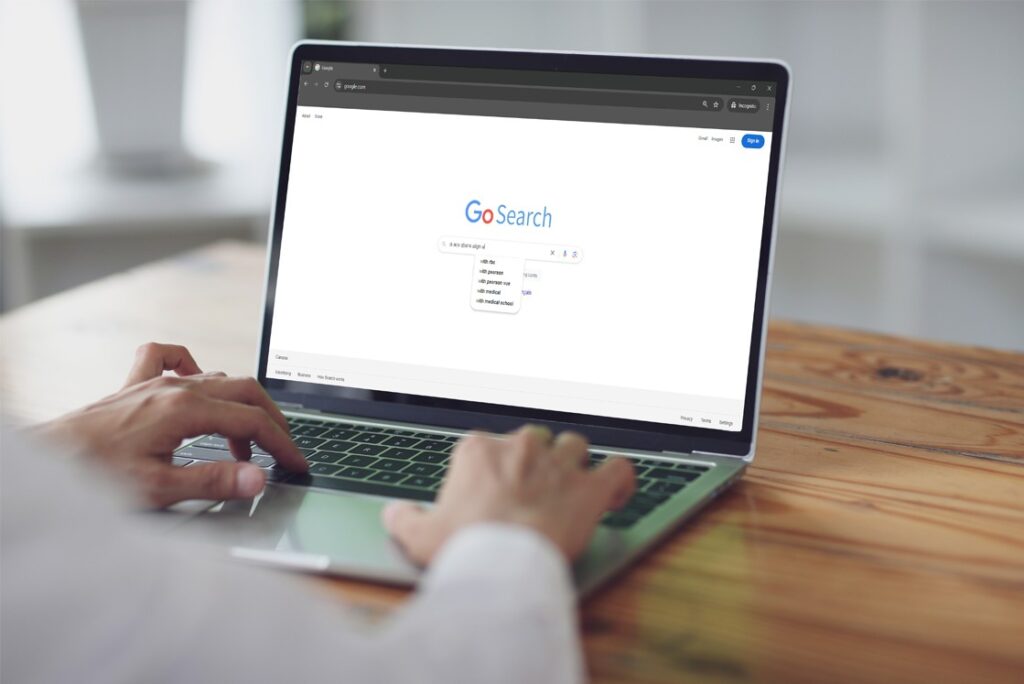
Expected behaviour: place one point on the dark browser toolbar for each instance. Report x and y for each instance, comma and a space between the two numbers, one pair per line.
657, 100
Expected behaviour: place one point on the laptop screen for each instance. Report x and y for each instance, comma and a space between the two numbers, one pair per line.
580, 243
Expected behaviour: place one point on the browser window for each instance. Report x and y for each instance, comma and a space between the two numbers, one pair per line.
570, 242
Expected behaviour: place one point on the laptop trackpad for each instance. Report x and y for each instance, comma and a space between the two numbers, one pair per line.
309, 530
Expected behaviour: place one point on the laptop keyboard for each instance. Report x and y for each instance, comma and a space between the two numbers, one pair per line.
408, 464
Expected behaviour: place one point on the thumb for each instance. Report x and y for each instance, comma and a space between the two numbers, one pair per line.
415, 529
214, 481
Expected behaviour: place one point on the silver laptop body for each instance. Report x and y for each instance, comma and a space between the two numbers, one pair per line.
693, 123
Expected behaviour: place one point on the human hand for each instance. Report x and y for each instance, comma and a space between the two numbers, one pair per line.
524, 479
133, 432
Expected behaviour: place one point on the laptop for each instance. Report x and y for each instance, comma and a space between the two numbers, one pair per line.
477, 239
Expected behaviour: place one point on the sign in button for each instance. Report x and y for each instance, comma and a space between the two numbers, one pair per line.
753, 141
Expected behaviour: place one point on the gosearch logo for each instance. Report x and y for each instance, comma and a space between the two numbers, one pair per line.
503, 215
475, 215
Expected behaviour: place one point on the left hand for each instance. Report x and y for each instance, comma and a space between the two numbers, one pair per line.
133, 432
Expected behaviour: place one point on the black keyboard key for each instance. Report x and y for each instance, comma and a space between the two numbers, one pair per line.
325, 457
308, 442
371, 428
201, 454
666, 474
339, 433
180, 462
422, 469
354, 473
363, 487
367, 449
450, 438
691, 467
422, 481
400, 433
652, 498
431, 457
425, 435
395, 452
620, 519
370, 437
276, 473
212, 442
336, 445
639, 511
660, 473
323, 469
357, 460
635, 516
386, 476
388, 464
664, 487
262, 461
397, 441
640, 503
659, 497
434, 445
308, 431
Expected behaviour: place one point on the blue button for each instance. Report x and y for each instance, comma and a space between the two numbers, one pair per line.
753, 141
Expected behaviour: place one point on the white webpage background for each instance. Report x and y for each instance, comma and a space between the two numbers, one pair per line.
669, 226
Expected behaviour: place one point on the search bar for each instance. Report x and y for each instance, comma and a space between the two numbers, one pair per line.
534, 251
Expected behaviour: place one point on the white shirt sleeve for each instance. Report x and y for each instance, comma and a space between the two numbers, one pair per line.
90, 594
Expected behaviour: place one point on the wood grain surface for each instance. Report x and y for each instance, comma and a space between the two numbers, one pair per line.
878, 537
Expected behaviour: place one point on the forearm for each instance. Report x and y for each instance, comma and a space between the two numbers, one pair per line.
497, 605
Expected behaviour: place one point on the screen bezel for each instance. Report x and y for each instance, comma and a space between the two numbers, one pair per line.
460, 414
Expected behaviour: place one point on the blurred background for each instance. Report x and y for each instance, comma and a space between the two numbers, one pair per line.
135, 129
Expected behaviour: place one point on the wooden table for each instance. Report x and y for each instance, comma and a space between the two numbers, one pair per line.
878, 537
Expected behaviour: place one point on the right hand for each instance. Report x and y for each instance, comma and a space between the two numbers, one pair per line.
524, 479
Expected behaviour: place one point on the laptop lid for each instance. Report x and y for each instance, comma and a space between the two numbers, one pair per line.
479, 238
